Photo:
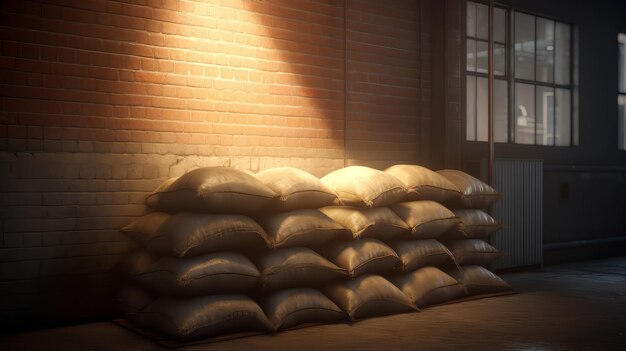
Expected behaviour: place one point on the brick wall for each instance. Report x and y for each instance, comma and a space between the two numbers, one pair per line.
100, 101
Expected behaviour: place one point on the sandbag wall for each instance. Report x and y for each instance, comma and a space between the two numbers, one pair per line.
229, 252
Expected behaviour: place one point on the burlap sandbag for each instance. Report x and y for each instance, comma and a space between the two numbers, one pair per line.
364, 187
203, 317
473, 252
423, 184
190, 234
213, 190
477, 224
296, 189
426, 219
304, 227
475, 193
362, 257
415, 254
377, 223
479, 280
296, 267
429, 286
369, 296
297, 307
215, 273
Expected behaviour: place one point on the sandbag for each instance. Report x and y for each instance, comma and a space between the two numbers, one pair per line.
473, 252
191, 234
215, 273
429, 286
301, 306
426, 219
203, 317
296, 189
377, 223
305, 227
423, 184
212, 190
475, 193
478, 280
296, 267
415, 254
369, 296
364, 187
476, 223
362, 256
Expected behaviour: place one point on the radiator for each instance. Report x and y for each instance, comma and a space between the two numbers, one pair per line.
520, 211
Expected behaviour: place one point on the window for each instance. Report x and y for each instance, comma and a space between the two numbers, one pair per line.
621, 90
538, 79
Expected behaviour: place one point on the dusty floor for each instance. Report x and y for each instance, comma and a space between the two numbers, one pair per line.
578, 306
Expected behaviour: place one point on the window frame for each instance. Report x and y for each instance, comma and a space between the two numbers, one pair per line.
621, 139
511, 80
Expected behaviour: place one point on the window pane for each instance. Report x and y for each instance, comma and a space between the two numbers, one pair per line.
621, 122
524, 113
500, 111
544, 108
482, 59
470, 23
562, 53
545, 50
481, 100
524, 46
621, 39
499, 25
470, 115
563, 117
471, 55
482, 22
499, 59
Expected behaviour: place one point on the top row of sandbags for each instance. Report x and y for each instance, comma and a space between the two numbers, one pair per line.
228, 190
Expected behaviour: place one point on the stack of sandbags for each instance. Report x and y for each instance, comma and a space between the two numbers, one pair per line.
232, 252
393, 248
193, 260
468, 242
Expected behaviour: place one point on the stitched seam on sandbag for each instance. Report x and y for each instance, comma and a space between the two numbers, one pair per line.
186, 280
204, 195
298, 234
371, 260
193, 245
277, 269
435, 187
414, 229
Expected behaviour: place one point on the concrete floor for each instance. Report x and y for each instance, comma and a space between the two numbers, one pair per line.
579, 306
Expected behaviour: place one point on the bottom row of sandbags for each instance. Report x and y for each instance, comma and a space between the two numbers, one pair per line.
363, 297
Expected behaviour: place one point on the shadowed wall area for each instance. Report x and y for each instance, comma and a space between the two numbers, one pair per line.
100, 101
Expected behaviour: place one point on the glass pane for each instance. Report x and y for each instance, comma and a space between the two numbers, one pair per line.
524, 113
500, 111
482, 22
470, 114
499, 25
544, 107
482, 58
471, 55
499, 59
481, 116
524, 46
621, 122
545, 50
562, 54
621, 40
470, 22
563, 117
